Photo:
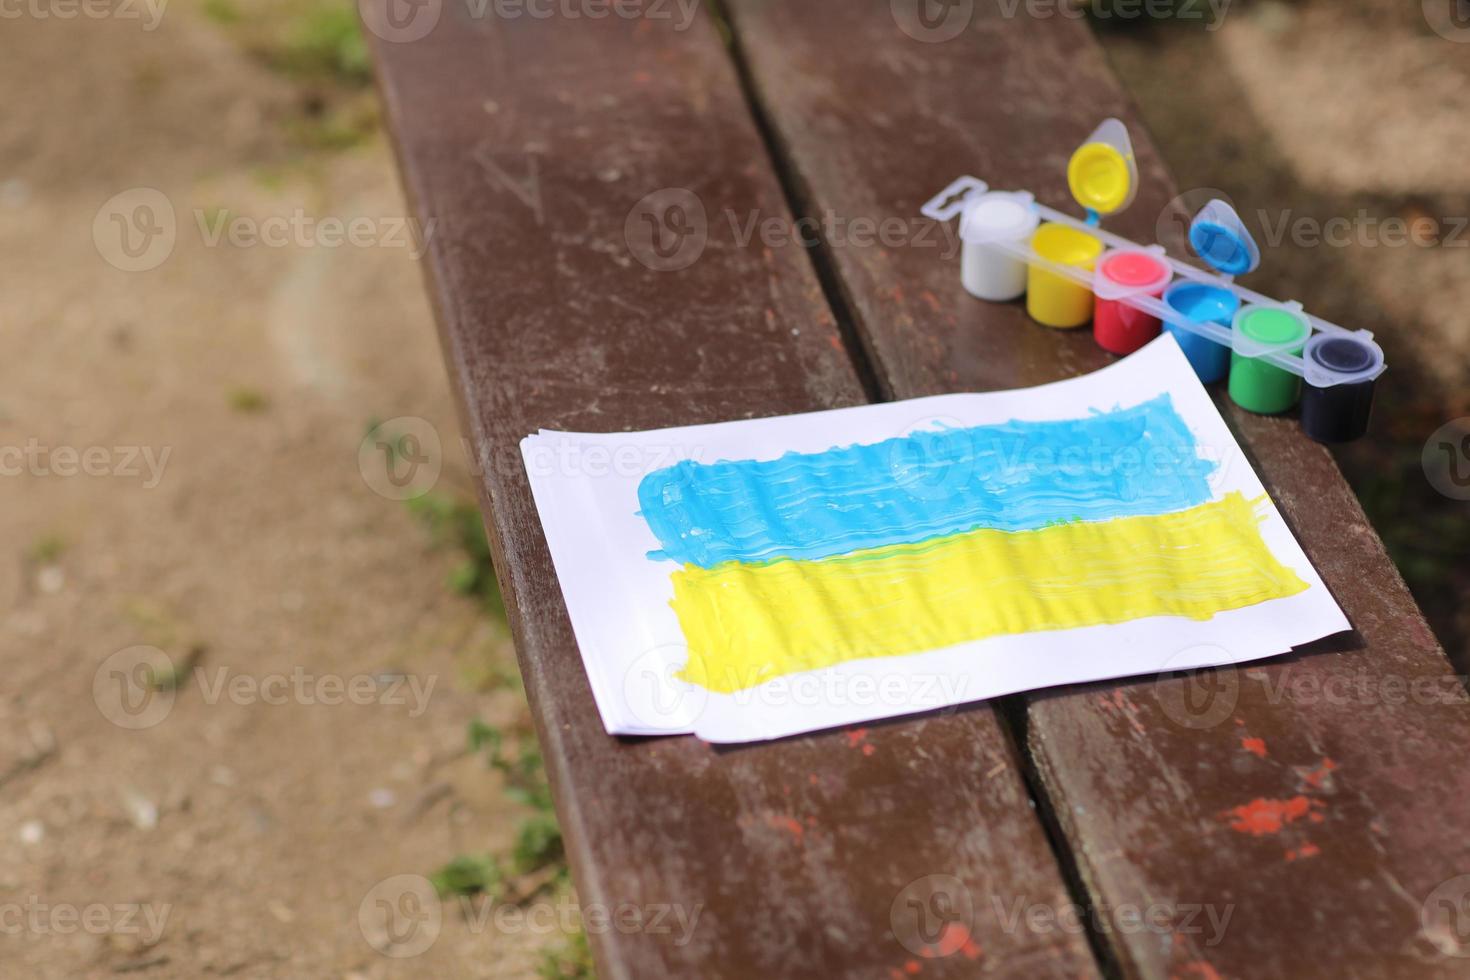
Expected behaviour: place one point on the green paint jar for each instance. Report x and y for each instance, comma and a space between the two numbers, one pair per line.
1256, 384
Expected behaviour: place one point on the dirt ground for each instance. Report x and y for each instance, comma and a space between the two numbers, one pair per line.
238, 680
224, 396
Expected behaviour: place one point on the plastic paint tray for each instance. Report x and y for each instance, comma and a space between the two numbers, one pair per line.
952, 200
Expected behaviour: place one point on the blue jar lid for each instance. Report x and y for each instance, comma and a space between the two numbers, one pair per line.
1218, 236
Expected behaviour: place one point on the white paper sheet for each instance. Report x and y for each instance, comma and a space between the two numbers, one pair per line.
632, 644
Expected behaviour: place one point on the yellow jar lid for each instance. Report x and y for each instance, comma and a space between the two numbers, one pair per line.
1100, 177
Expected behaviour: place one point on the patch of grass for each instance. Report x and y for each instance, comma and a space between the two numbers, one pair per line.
248, 401
183, 669
525, 777
327, 127
222, 12
457, 523
538, 844
156, 622
469, 875
324, 41
571, 960
46, 549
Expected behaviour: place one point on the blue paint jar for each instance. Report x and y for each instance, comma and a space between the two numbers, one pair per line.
1202, 303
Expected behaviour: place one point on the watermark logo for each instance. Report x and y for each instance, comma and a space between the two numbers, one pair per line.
1444, 917
400, 21
1200, 698
400, 917
934, 459
136, 230
656, 696
932, 21
667, 230
1172, 227
1450, 19
932, 917
126, 689
401, 459
1446, 459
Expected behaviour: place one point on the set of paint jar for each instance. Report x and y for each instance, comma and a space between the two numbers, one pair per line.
1072, 272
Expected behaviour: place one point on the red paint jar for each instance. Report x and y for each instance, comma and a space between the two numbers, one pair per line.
1117, 326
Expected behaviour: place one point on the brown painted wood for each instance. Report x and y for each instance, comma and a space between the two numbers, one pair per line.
529, 142
1317, 799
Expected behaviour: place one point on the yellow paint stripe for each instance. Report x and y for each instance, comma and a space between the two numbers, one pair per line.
747, 623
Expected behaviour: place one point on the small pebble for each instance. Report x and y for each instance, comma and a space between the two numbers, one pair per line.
32, 832
142, 811
51, 579
382, 798
14, 193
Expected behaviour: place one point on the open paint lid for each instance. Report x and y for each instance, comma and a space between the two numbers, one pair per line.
999, 216
1342, 359
1218, 236
1132, 272
1102, 174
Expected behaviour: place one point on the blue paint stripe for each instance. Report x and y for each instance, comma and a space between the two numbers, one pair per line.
1014, 476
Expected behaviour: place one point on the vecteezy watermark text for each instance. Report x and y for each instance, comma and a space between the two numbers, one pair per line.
1124, 918
136, 687
402, 917
670, 229
128, 462
150, 12
937, 21
681, 12
138, 229
405, 21
38, 918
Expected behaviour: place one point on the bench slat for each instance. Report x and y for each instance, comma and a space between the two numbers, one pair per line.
529, 142
1320, 822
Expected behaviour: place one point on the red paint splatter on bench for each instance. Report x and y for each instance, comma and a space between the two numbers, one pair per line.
954, 937
1318, 777
1305, 851
1262, 816
859, 737
789, 824
1196, 970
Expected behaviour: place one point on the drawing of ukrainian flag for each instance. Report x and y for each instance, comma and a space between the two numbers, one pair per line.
949, 536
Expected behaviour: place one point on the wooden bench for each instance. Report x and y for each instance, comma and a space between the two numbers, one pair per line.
1318, 827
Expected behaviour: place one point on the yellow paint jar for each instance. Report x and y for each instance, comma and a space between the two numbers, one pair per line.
1052, 300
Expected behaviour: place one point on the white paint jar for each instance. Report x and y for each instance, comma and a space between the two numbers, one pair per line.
989, 272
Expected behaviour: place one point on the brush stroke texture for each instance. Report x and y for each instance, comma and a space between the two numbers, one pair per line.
1014, 476
748, 623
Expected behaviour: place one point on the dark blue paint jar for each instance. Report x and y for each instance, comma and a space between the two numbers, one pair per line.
1341, 372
